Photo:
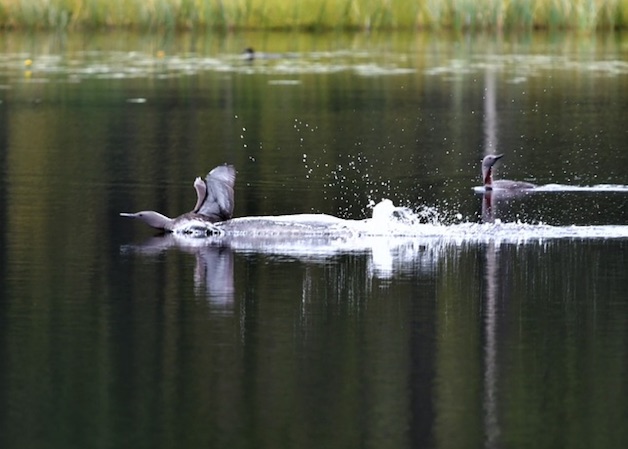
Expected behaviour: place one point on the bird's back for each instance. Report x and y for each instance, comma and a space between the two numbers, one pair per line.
506, 184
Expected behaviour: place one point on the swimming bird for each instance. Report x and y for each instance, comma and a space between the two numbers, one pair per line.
214, 203
500, 184
249, 54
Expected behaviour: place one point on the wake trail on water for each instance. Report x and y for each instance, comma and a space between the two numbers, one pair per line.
601, 188
390, 222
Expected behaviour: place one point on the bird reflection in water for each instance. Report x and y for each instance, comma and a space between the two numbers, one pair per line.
490, 347
214, 274
213, 271
497, 205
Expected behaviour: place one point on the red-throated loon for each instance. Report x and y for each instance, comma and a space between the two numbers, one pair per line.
214, 202
499, 184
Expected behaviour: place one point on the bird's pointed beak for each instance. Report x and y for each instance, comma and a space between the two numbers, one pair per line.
126, 214
499, 156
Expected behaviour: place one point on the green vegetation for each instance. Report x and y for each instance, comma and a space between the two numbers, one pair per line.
315, 15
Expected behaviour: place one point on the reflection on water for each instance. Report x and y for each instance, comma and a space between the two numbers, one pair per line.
490, 318
468, 320
213, 269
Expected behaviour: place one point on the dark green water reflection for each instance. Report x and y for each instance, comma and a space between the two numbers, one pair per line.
111, 339
475, 343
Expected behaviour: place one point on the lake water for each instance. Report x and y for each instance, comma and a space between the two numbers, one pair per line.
456, 329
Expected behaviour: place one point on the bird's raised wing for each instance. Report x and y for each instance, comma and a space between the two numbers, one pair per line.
201, 192
219, 198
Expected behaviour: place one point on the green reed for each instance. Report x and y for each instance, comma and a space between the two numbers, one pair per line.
587, 15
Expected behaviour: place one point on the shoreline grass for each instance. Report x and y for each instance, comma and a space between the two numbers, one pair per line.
315, 15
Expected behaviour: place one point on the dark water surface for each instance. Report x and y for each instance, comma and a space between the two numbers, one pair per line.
111, 337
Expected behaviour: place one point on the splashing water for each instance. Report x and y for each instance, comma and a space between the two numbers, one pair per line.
352, 180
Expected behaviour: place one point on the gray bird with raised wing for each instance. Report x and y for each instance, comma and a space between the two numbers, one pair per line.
214, 202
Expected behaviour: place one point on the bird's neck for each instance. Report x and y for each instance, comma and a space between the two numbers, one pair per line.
488, 178
158, 221
487, 207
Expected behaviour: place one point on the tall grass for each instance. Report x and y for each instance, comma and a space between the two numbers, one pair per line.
587, 15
